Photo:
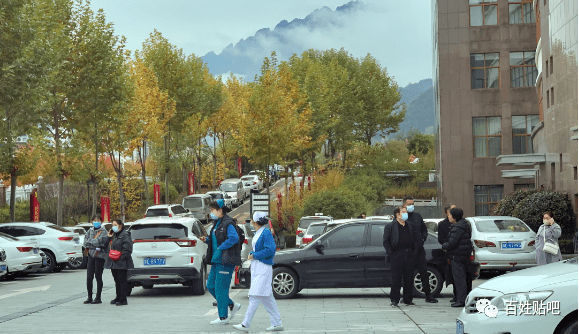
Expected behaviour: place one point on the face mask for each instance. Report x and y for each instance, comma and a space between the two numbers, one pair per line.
115, 229
213, 216
405, 216
96, 224
545, 222
410, 208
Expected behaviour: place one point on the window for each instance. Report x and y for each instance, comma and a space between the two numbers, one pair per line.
547, 68
521, 11
523, 69
486, 197
525, 186
523, 126
377, 237
348, 237
501, 226
575, 173
157, 213
484, 69
487, 136
483, 12
547, 94
551, 65
158, 231
552, 96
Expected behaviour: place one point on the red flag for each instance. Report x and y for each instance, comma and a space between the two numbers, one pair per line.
106, 209
156, 194
34, 206
239, 166
191, 178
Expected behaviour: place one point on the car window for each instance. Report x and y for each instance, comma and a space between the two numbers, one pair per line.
158, 231
346, 237
7, 237
178, 209
432, 226
203, 229
501, 225
193, 202
377, 237
6, 230
305, 222
315, 229
228, 187
248, 231
80, 231
157, 213
196, 230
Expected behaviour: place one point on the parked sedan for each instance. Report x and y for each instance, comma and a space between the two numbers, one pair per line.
22, 256
351, 255
252, 181
432, 224
313, 231
81, 261
218, 194
550, 290
3, 265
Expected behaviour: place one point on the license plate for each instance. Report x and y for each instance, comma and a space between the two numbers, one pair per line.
155, 261
511, 245
459, 327
2, 268
35, 250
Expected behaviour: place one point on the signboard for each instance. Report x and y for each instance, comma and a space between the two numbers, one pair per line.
259, 202
191, 178
34, 206
156, 194
106, 209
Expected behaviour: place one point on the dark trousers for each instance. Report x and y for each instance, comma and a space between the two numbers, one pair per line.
459, 276
422, 268
94, 268
469, 279
120, 276
402, 267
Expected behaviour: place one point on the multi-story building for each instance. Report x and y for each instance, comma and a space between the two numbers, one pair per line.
486, 105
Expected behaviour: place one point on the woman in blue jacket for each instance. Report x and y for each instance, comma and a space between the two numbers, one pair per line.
223, 253
261, 275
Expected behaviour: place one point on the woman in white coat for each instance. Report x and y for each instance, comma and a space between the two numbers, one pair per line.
261, 276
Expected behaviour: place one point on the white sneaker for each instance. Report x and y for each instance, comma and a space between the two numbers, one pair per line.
241, 328
232, 311
275, 328
220, 322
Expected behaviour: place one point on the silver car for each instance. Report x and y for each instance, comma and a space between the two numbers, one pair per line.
247, 246
502, 242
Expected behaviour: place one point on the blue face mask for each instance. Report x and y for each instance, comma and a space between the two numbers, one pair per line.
405, 216
410, 208
115, 229
96, 224
213, 216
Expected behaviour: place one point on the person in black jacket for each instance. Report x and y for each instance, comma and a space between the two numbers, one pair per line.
399, 244
443, 231
420, 234
119, 239
459, 248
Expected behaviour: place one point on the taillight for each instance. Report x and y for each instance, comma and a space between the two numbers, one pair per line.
483, 243
298, 232
170, 215
307, 240
254, 182
532, 243
24, 249
180, 242
186, 243
144, 216
65, 238
245, 241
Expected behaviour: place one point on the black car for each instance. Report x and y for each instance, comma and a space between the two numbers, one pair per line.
350, 256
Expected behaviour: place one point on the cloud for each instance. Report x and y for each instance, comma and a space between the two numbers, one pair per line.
225, 76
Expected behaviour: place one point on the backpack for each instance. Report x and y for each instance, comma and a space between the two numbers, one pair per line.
240, 234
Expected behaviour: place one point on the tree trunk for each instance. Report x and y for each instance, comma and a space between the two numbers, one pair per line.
13, 182
142, 161
214, 163
60, 197
184, 178
94, 190
167, 169
121, 193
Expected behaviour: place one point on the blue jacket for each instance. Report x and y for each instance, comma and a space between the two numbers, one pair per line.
265, 248
231, 240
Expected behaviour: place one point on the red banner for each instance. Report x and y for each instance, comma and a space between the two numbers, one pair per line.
105, 209
156, 194
239, 166
191, 178
34, 206
309, 183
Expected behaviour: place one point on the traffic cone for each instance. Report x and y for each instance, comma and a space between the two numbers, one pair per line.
236, 281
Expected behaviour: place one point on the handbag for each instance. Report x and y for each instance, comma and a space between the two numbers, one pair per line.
549, 247
114, 255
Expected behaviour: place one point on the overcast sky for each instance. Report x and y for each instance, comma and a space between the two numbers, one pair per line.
398, 33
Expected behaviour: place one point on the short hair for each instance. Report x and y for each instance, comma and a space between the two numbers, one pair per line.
215, 205
119, 222
456, 213
406, 198
548, 213
398, 209
447, 208
96, 217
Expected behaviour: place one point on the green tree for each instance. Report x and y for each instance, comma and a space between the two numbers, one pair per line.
420, 144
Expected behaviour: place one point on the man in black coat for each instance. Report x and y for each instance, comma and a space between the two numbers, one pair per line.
420, 233
443, 231
399, 244
459, 248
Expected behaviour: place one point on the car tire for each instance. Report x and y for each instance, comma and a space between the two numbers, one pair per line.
198, 286
59, 267
435, 279
76, 263
570, 327
147, 286
50, 262
285, 283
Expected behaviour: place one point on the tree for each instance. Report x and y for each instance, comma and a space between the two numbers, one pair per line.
420, 144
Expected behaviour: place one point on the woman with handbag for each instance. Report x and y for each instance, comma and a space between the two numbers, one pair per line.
546, 241
119, 260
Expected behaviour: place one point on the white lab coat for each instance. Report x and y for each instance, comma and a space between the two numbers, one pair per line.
261, 273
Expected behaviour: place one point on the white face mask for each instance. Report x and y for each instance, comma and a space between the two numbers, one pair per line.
545, 222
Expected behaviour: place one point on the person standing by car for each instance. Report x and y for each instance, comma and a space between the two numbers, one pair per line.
548, 232
399, 244
118, 239
96, 256
224, 254
261, 275
443, 232
459, 248
420, 234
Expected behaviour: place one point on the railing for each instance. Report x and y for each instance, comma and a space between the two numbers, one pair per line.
417, 202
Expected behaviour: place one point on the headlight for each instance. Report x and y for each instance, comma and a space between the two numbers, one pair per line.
515, 299
246, 264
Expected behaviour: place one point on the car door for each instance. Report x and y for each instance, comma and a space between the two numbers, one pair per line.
339, 263
377, 270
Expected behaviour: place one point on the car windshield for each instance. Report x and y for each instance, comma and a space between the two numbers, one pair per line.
247, 178
193, 202
157, 213
158, 231
316, 229
501, 225
8, 237
305, 222
58, 228
216, 196
228, 187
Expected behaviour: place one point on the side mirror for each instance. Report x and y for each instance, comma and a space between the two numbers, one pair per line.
318, 245
301, 235
188, 210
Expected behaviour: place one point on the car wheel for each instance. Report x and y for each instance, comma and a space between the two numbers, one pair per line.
435, 280
147, 286
569, 328
285, 283
199, 286
75, 263
59, 267
50, 263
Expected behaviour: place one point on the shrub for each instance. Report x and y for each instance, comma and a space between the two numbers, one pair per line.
231, 174
21, 212
530, 210
506, 206
410, 190
340, 203
369, 183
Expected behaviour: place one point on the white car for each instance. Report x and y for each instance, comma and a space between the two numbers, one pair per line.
316, 228
506, 303
218, 194
247, 246
3, 264
432, 224
233, 188
253, 182
168, 251
79, 262
59, 244
305, 223
22, 256
167, 210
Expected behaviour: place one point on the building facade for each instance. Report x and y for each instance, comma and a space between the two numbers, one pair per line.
486, 103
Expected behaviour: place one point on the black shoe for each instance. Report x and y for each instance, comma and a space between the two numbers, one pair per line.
430, 299
453, 300
215, 304
113, 302
409, 303
88, 301
457, 305
122, 303
97, 301
394, 304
